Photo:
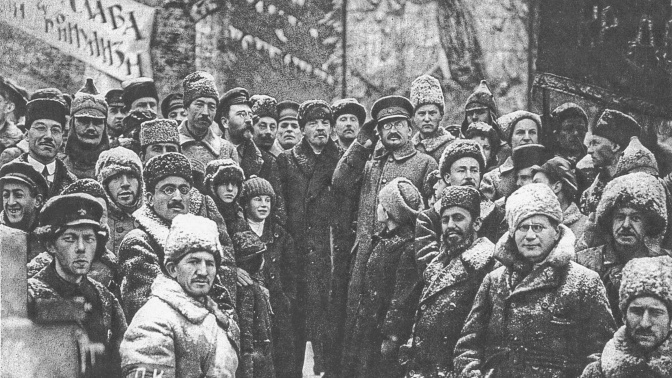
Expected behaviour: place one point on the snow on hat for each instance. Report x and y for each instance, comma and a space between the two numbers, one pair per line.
529, 200
223, 170
159, 131
457, 150
116, 161
646, 276
465, 197
568, 110
637, 158
639, 191
617, 127
314, 109
288, 110
199, 84
528, 155
263, 106
138, 88
192, 233
513, 118
425, 90
88, 102
349, 106
171, 102
87, 186
257, 186
166, 165
401, 199
24, 173
53, 94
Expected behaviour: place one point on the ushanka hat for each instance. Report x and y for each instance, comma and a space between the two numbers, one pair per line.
263, 106
166, 165
45, 108
349, 106
192, 233
426, 90
617, 127
159, 131
26, 174
88, 102
401, 199
529, 200
222, 171
646, 276
314, 109
465, 197
389, 108
199, 84
457, 150
116, 161
138, 88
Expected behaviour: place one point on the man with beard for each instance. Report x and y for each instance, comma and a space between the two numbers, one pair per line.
115, 115
539, 314
632, 209
172, 107
23, 193
89, 137
168, 182
349, 116
452, 279
642, 347
11, 100
197, 137
428, 105
570, 124
289, 131
140, 94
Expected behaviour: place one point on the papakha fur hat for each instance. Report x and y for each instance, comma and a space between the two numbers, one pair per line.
426, 90
192, 233
402, 200
263, 106
465, 197
314, 109
457, 150
646, 276
529, 200
159, 131
199, 84
166, 165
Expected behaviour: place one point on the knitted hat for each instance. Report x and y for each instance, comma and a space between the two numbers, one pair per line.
639, 191
235, 96
617, 127
116, 161
314, 109
402, 200
568, 110
288, 110
171, 102
199, 84
457, 150
465, 197
189, 234
528, 155
138, 88
166, 165
349, 106
484, 130
511, 119
637, 158
257, 186
247, 245
87, 186
159, 131
391, 107
24, 173
529, 200
428, 185
88, 102
224, 170
646, 276
559, 169
114, 97
426, 90
263, 106
45, 108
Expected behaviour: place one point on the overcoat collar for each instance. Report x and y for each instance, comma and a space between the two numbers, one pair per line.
621, 358
171, 292
404, 152
152, 224
440, 138
305, 157
212, 142
571, 214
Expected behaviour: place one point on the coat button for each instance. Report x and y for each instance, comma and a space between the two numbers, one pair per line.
384, 181
423, 307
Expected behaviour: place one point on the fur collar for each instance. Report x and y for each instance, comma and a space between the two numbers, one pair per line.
306, 158
152, 224
507, 253
211, 141
82, 154
171, 292
251, 159
571, 214
404, 152
622, 359
440, 138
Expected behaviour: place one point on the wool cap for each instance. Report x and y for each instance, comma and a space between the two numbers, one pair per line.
288, 110
26, 174
510, 120
45, 108
171, 102
457, 150
190, 234
138, 88
639, 191
390, 108
349, 106
116, 161
166, 165
617, 127
568, 110
528, 155
247, 245
15, 94
465, 197
637, 158
114, 97
88, 102
314, 109
71, 210
235, 96
159, 131
87, 186
402, 200
484, 130
222, 171
257, 186
263, 106
425, 90
646, 276
559, 169
199, 84
529, 200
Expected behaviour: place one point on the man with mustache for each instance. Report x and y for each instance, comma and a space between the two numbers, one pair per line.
642, 346
115, 115
349, 116
172, 107
289, 131
539, 314
88, 138
181, 331
632, 210
71, 231
428, 104
168, 193
451, 279
23, 193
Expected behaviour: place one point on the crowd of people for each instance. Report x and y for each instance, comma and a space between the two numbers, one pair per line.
215, 235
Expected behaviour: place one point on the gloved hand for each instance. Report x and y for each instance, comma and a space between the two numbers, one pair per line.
368, 133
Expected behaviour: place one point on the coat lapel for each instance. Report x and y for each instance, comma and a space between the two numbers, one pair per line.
622, 359
154, 226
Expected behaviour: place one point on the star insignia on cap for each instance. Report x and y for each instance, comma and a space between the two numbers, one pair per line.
82, 212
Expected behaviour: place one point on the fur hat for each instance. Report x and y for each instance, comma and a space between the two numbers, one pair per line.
568, 110
402, 200
138, 88
224, 170
191, 233
26, 174
349, 106
646, 276
45, 108
465, 197
426, 90
159, 131
637, 158
257, 186
171, 102
391, 107
639, 191
457, 150
288, 110
510, 120
529, 200
528, 155
53, 94
88, 102
199, 84
116, 161
87, 186
263, 106
314, 109
484, 130
166, 165
617, 127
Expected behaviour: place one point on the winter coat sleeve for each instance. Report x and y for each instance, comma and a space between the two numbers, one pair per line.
269, 171
349, 171
599, 326
246, 318
288, 267
9, 154
593, 371
148, 348
407, 290
139, 267
426, 243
